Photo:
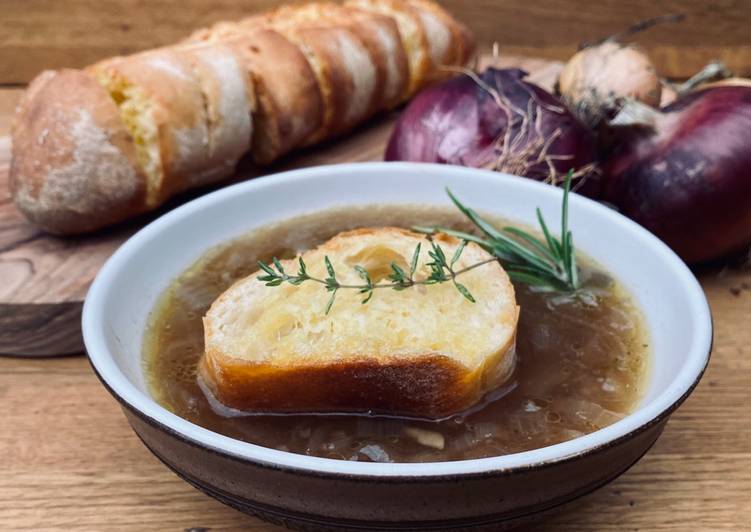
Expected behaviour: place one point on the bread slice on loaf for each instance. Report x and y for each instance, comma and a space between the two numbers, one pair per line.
74, 166
229, 98
289, 105
345, 51
424, 351
161, 103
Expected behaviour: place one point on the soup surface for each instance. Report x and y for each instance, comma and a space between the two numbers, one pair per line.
582, 359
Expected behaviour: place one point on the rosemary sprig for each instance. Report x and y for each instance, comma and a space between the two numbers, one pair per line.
548, 264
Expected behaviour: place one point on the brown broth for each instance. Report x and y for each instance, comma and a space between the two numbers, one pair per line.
581, 361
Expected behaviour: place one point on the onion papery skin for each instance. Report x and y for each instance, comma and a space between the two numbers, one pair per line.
687, 178
595, 79
529, 133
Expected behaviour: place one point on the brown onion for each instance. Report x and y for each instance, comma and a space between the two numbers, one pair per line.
683, 172
599, 76
493, 120
595, 80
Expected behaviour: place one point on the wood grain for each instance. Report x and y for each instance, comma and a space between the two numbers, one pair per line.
45, 278
71, 462
39, 34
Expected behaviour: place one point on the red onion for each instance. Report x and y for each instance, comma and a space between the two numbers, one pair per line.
684, 172
493, 120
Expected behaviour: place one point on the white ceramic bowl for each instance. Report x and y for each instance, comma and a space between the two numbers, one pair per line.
325, 493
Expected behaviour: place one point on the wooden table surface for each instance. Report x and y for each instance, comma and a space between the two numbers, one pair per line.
68, 459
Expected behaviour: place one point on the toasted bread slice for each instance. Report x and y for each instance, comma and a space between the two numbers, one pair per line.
381, 35
425, 351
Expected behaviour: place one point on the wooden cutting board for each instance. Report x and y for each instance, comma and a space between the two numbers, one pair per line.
44, 279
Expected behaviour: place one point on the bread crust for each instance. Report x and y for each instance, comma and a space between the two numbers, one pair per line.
73, 167
289, 103
228, 97
381, 35
460, 46
412, 34
429, 384
166, 79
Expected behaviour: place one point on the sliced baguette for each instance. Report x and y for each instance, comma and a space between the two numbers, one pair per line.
74, 166
431, 38
450, 43
381, 36
229, 99
425, 351
412, 33
350, 73
161, 103
288, 102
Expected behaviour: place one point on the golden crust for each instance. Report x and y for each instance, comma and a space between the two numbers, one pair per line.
412, 34
381, 35
309, 72
173, 101
228, 97
73, 166
428, 384
289, 102
461, 47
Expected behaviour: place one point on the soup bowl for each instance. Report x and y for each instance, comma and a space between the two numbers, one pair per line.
319, 493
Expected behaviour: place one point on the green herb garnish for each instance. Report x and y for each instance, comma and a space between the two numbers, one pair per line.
548, 264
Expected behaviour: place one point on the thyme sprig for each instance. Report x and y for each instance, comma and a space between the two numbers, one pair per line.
441, 270
548, 264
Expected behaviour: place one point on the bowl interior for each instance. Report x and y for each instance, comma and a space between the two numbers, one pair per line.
117, 307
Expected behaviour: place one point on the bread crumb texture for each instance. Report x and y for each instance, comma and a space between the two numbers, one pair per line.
449, 349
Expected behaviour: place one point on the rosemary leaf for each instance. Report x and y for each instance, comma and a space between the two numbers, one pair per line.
398, 275
329, 267
453, 232
531, 279
364, 274
553, 244
535, 242
302, 272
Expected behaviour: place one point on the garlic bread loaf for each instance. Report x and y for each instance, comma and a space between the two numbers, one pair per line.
425, 351
183, 116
